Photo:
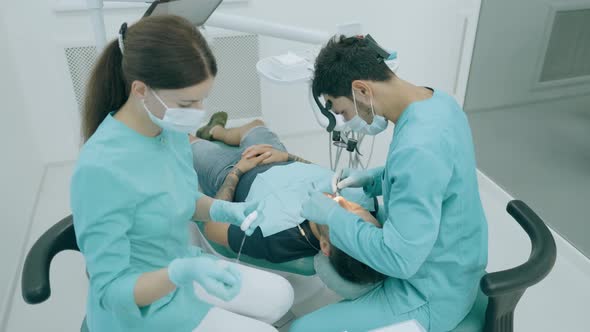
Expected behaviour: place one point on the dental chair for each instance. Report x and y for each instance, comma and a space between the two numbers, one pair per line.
493, 310
35, 284
500, 291
302, 266
300, 272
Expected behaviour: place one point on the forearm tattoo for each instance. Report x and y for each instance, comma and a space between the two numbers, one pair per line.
293, 157
228, 189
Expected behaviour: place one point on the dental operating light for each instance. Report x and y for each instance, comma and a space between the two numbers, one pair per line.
196, 11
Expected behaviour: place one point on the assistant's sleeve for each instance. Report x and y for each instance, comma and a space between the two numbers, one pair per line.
418, 180
189, 159
376, 187
103, 214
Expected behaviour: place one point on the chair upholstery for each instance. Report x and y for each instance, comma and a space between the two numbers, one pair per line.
475, 320
301, 266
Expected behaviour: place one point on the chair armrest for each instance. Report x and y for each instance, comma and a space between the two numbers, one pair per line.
35, 276
540, 262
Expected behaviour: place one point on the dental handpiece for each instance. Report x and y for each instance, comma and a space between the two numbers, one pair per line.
335, 180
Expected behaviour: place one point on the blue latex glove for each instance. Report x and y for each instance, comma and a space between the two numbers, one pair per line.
216, 276
318, 208
352, 178
323, 185
235, 213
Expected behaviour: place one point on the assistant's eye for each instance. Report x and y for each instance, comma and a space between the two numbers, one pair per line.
189, 104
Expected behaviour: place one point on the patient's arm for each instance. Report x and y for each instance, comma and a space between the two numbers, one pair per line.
292, 157
228, 189
275, 155
217, 231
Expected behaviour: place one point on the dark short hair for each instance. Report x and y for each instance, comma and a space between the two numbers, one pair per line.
344, 60
349, 268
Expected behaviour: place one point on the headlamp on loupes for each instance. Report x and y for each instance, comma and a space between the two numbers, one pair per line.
336, 122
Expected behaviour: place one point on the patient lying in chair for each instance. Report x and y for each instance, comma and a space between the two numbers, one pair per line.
235, 171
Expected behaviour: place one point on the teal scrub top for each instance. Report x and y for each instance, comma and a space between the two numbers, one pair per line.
132, 197
434, 240
282, 189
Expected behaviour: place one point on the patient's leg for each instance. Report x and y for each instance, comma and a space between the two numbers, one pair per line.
233, 136
212, 162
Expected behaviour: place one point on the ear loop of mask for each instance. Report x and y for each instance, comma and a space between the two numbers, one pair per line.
159, 99
354, 100
357, 111
372, 110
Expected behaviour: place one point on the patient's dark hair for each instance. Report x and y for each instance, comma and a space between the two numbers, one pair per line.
344, 60
348, 267
164, 52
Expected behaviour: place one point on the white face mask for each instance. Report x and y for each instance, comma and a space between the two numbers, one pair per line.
359, 125
341, 124
183, 120
378, 125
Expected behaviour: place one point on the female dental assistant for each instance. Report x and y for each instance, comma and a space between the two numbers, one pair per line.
433, 244
134, 190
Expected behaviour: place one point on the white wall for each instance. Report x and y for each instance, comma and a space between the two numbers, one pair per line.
532, 140
41, 72
428, 35
21, 170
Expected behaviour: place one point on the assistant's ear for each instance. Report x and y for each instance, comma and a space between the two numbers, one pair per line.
139, 89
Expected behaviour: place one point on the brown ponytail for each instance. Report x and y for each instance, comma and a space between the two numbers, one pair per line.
164, 52
106, 90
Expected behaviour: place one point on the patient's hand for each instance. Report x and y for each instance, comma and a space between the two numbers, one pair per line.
274, 156
247, 164
192, 138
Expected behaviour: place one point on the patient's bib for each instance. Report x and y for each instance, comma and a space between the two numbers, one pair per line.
282, 189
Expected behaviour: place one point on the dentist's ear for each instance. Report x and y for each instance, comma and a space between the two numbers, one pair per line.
362, 91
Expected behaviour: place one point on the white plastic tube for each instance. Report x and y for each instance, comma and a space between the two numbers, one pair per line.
260, 27
97, 18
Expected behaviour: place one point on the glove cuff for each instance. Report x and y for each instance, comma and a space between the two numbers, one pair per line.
340, 216
174, 272
369, 188
216, 212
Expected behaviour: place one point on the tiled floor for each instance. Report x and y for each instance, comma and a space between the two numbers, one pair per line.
559, 303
